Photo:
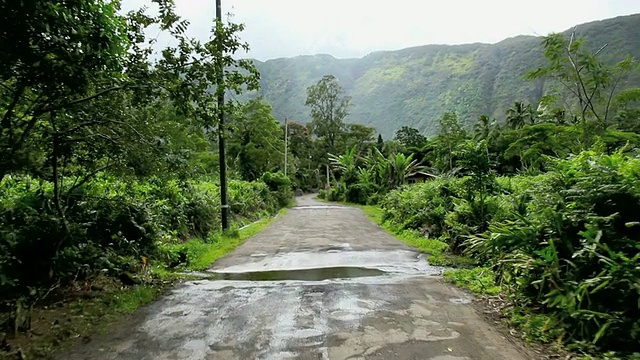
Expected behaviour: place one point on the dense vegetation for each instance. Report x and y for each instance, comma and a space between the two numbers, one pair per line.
109, 163
414, 87
107, 167
547, 199
106, 161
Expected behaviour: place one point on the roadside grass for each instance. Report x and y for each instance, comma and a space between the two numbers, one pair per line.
86, 308
479, 280
437, 249
202, 254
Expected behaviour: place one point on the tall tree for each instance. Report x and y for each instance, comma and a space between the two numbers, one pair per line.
517, 115
54, 56
256, 140
380, 143
358, 135
410, 137
329, 107
591, 83
482, 128
304, 156
450, 136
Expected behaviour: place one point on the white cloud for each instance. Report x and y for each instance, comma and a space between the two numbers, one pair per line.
353, 28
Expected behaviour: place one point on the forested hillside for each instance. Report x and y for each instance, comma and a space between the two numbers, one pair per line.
415, 86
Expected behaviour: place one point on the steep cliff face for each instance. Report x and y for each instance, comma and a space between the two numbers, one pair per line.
415, 86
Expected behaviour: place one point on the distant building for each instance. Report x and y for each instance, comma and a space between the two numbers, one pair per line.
419, 177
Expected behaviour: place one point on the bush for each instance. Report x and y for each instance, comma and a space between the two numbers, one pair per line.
565, 242
111, 222
280, 185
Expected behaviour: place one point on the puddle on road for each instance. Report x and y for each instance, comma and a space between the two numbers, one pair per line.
317, 274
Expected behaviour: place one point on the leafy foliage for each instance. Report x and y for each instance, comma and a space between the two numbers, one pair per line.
362, 179
256, 141
329, 107
111, 222
549, 207
563, 241
105, 145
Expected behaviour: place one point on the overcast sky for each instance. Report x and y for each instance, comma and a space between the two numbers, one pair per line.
354, 28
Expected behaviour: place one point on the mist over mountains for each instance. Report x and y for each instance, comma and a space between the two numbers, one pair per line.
415, 86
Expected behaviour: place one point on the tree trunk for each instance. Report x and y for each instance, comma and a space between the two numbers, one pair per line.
57, 202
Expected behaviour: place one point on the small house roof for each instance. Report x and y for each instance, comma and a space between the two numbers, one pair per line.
421, 173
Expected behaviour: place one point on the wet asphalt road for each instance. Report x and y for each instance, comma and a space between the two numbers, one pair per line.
406, 313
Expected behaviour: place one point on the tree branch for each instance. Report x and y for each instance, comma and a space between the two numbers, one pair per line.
6, 118
83, 100
6, 87
87, 178
25, 133
81, 125
581, 82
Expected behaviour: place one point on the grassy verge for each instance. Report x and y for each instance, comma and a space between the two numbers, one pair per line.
202, 254
479, 280
434, 247
92, 307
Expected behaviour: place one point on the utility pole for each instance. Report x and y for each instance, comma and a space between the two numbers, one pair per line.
286, 144
224, 201
328, 180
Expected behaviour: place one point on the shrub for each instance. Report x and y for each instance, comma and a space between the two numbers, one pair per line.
111, 222
565, 242
280, 185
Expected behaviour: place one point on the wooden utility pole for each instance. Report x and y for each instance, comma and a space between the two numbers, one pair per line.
224, 201
286, 144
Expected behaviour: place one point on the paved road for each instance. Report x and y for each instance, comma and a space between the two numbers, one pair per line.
407, 312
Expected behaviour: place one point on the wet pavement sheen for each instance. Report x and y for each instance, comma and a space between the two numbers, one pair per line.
323, 282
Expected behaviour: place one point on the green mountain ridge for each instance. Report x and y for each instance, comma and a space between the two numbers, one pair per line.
415, 86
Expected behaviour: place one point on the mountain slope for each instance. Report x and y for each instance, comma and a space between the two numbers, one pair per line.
415, 86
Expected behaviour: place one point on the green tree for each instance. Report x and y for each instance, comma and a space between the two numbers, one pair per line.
627, 108
390, 171
450, 136
55, 55
591, 84
346, 165
190, 70
519, 115
329, 107
380, 142
483, 127
410, 137
474, 158
256, 140
358, 135
303, 150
